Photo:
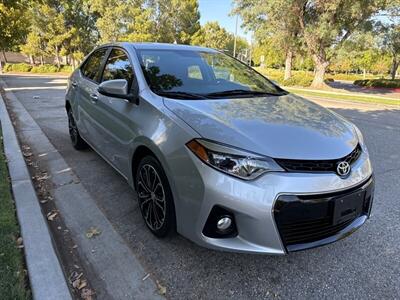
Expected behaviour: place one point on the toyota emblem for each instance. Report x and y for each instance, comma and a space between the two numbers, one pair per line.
343, 168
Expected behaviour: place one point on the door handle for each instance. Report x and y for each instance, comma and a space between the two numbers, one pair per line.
94, 98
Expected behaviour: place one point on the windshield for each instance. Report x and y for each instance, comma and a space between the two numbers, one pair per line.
189, 74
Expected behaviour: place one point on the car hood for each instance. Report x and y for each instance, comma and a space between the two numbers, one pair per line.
277, 126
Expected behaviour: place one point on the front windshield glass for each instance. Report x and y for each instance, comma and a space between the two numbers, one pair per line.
201, 74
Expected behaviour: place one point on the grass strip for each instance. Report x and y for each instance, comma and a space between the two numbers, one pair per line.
13, 284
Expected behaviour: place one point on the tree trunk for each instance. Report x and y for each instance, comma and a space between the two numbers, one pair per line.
31, 61
321, 64
58, 58
364, 73
1, 67
41, 60
393, 69
288, 65
4, 55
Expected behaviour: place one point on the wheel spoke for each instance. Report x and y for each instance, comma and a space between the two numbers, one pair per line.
143, 182
144, 202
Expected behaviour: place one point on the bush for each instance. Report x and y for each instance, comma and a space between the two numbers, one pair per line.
21, 67
44, 69
298, 80
66, 69
379, 83
350, 77
7, 67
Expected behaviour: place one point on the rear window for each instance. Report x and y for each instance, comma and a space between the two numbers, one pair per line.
91, 68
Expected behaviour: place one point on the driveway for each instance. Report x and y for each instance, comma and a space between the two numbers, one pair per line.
364, 265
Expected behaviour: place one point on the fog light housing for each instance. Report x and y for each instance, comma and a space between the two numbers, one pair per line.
220, 223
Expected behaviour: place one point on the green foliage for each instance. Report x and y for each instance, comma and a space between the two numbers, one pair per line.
66, 69
379, 83
212, 35
44, 69
7, 67
13, 24
299, 78
21, 67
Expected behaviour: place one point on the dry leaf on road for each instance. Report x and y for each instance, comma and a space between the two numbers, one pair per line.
92, 232
162, 290
52, 215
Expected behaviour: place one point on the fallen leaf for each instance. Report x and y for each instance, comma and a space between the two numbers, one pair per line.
92, 232
52, 215
87, 294
162, 290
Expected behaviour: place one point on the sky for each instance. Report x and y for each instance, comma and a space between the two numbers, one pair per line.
218, 10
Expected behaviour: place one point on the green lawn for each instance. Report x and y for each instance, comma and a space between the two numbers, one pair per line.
338, 96
12, 276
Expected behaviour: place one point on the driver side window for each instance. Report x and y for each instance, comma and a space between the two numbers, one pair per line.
118, 67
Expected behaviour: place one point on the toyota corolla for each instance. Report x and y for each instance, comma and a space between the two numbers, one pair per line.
217, 152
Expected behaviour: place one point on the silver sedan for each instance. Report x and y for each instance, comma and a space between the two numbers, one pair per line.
217, 152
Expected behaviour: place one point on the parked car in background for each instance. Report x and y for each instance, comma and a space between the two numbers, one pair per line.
217, 151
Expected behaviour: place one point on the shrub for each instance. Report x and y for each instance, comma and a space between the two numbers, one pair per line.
21, 67
298, 80
379, 83
66, 69
44, 69
7, 67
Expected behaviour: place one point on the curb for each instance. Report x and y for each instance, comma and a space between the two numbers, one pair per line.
46, 275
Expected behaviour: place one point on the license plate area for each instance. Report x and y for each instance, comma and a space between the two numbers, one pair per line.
348, 207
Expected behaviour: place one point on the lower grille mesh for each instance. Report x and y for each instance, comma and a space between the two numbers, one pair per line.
309, 231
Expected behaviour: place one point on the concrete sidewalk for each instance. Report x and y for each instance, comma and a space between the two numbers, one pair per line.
45, 272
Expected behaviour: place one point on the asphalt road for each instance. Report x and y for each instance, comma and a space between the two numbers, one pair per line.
364, 265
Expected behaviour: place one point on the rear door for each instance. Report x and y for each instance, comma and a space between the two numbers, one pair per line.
88, 96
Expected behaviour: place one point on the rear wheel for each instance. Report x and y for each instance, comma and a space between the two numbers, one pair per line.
155, 197
77, 141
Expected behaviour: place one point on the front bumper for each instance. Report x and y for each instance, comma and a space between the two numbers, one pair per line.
253, 204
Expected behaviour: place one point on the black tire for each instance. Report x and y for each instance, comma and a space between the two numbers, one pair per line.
155, 197
76, 139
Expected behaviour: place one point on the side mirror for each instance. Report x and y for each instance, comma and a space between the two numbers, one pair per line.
117, 88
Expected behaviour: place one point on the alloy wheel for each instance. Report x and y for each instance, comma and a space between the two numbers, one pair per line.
151, 195
73, 129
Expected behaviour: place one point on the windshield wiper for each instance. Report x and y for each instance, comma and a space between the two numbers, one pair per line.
181, 95
243, 92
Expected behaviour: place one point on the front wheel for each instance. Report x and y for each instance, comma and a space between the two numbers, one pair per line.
155, 197
76, 139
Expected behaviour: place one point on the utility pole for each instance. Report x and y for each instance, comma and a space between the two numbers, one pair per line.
234, 42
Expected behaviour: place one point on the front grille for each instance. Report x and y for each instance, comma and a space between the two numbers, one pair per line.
294, 165
306, 221
310, 231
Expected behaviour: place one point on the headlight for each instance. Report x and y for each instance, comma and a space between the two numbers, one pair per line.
360, 139
232, 161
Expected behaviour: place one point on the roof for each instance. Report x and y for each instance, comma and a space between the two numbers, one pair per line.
165, 46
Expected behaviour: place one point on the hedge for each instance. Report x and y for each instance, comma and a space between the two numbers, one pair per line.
46, 68
379, 83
